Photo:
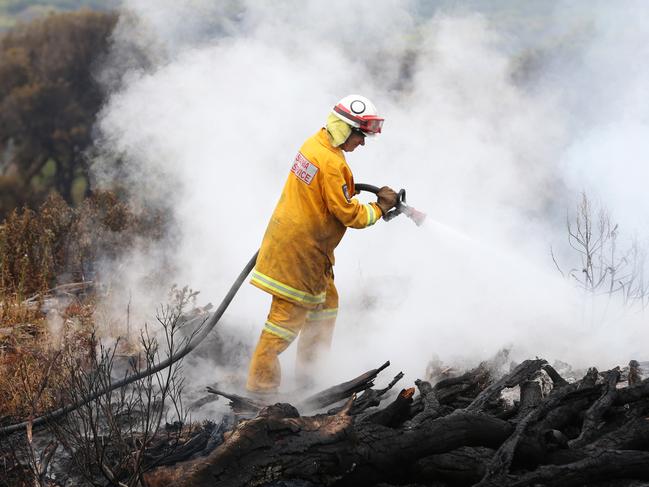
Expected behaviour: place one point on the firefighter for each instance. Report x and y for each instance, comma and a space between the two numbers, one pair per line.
296, 258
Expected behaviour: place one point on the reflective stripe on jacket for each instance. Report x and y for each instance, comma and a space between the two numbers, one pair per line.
313, 212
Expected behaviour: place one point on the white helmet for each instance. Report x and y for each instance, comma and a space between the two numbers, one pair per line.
360, 113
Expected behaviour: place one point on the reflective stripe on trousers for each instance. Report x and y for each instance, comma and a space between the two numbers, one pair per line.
322, 314
286, 320
280, 331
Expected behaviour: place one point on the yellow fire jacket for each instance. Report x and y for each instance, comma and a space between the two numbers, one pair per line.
309, 221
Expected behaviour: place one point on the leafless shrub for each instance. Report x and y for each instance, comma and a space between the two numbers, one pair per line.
108, 437
607, 266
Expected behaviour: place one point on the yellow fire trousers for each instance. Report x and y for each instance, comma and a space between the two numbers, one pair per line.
286, 322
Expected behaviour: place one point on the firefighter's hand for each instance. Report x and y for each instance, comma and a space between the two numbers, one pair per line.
388, 198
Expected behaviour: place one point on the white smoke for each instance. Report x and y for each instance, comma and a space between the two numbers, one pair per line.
495, 121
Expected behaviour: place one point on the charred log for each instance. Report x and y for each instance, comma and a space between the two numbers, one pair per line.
239, 403
279, 444
531, 396
429, 409
633, 393
600, 466
634, 376
467, 384
395, 413
341, 391
581, 433
596, 411
462, 467
557, 380
518, 375
369, 398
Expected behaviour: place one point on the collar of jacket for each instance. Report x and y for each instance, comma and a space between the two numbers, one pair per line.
324, 138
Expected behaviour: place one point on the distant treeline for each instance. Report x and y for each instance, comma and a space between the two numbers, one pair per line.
49, 100
14, 11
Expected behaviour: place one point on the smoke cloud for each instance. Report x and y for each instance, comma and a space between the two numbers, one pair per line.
496, 119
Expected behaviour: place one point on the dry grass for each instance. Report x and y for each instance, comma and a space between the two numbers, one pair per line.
31, 354
40, 249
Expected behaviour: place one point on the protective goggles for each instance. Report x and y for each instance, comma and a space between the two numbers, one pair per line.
370, 124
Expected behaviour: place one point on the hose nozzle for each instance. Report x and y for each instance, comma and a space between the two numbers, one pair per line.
401, 207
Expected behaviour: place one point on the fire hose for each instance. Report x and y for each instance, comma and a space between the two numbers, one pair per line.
401, 207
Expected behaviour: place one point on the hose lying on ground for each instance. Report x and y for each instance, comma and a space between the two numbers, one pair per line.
151, 370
